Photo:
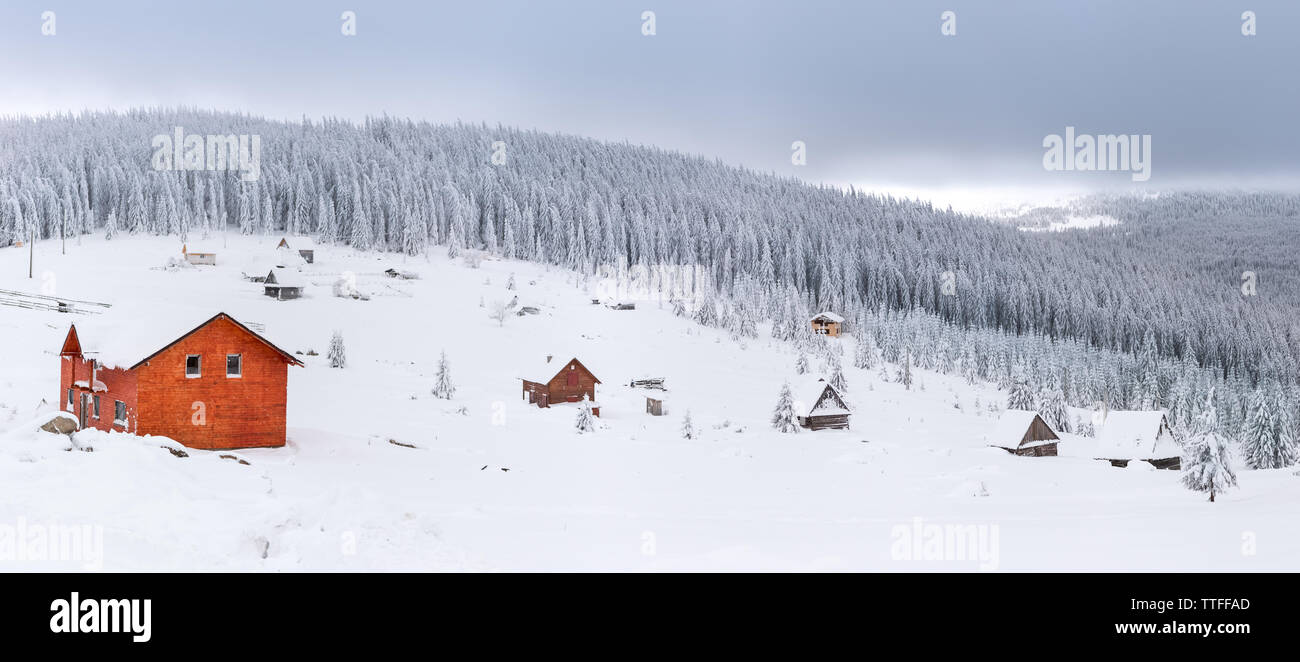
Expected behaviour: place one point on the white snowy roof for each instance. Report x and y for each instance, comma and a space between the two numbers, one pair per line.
830, 316
1135, 435
286, 278
808, 396
1011, 427
121, 341
298, 243
547, 369
288, 257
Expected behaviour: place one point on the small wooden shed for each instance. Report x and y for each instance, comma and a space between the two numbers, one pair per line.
570, 383
822, 407
1022, 432
283, 284
198, 256
655, 407
305, 248
827, 324
1125, 436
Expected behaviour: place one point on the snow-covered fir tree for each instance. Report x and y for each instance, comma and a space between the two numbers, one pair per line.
586, 421
688, 427
837, 379
443, 387
1053, 410
783, 416
864, 354
1207, 460
337, 355
1021, 396
904, 375
801, 364
1269, 442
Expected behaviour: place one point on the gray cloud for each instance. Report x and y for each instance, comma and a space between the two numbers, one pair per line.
878, 95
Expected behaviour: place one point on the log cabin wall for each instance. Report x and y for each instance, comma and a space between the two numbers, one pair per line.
571, 383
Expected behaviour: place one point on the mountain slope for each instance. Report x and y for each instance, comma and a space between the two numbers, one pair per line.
634, 495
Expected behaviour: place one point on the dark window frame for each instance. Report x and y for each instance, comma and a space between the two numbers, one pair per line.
198, 366
239, 360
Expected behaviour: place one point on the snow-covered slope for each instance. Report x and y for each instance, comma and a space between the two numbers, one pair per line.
493, 483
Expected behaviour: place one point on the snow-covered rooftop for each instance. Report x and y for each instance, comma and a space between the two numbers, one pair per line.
544, 369
1011, 427
1137, 435
828, 316
120, 341
809, 400
298, 243
286, 278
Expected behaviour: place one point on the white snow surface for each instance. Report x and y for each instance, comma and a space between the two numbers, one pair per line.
634, 495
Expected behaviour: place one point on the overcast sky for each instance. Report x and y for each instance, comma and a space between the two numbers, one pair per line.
878, 95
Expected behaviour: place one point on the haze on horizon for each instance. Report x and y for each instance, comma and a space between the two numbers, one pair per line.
881, 99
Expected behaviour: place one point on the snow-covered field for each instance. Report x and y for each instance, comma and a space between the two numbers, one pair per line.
494, 484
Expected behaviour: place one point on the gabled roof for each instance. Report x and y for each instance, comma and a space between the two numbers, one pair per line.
119, 346
1137, 435
296, 243
1012, 427
285, 278
71, 343
562, 366
819, 398
828, 316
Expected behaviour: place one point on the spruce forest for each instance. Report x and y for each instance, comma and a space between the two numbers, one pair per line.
1191, 300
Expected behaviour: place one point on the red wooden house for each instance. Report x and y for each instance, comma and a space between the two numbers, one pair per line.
572, 382
220, 385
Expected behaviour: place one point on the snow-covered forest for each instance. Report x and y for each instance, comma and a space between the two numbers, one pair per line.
1146, 313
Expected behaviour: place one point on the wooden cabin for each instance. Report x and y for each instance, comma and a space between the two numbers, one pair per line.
218, 386
572, 381
282, 284
822, 407
655, 407
1021, 432
827, 324
306, 250
199, 256
1125, 436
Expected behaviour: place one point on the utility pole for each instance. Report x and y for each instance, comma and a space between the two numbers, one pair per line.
31, 253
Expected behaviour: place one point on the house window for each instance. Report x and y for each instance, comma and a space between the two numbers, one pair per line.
69, 399
234, 365
119, 412
193, 366
97, 406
